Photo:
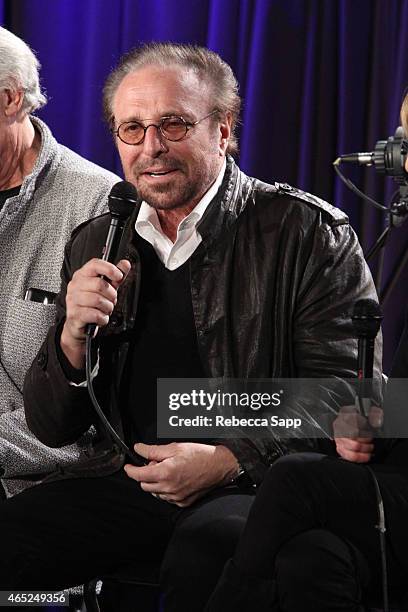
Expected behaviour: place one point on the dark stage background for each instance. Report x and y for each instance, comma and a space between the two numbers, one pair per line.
318, 78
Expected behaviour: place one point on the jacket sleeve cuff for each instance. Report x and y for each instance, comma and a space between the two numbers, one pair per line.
248, 457
76, 378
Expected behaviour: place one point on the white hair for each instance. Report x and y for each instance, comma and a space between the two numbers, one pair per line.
19, 69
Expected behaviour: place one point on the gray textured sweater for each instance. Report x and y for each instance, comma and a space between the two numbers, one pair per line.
62, 191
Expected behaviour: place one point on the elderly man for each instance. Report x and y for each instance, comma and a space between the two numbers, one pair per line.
218, 275
45, 191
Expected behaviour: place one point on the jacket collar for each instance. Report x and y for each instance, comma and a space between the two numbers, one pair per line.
49, 154
229, 202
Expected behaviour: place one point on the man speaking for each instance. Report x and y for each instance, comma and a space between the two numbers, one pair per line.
217, 275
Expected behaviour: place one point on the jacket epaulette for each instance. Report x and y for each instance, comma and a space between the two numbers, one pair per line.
337, 215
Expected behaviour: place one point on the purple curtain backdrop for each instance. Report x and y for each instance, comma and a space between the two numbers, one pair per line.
318, 78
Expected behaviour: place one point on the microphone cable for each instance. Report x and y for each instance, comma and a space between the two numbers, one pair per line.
121, 202
381, 531
114, 436
356, 190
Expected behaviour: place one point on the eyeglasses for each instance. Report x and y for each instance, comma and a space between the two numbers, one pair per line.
171, 128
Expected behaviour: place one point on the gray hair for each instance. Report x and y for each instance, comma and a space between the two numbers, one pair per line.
205, 63
19, 71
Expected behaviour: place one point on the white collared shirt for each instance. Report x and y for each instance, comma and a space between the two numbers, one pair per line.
173, 255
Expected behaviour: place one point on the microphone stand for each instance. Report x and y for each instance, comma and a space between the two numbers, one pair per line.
397, 213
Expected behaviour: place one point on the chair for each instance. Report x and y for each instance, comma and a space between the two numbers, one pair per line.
130, 578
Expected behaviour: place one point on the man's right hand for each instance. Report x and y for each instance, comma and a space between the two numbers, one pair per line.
90, 299
354, 434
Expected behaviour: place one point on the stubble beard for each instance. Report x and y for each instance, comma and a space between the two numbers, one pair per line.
165, 197
183, 193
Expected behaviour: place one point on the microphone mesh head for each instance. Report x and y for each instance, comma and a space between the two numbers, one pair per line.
122, 199
366, 317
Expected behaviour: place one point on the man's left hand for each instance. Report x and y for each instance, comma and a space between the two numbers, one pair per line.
182, 472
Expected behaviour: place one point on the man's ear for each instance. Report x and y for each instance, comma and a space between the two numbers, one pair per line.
225, 132
12, 101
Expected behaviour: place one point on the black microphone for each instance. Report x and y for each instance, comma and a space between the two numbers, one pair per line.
388, 157
366, 318
121, 203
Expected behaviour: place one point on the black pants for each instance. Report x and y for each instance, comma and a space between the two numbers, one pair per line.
64, 533
313, 530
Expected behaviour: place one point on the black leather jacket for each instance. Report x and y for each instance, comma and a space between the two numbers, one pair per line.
272, 285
